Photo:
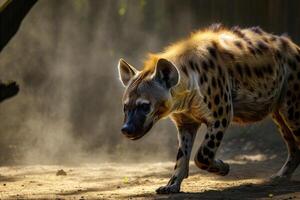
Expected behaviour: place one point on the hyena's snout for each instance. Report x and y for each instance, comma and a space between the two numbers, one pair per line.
131, 131
135, 125
128, 130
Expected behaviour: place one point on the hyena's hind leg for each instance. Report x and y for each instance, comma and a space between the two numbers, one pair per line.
293, 158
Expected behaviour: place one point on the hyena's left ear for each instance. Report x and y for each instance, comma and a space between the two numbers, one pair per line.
126, 71
166, 73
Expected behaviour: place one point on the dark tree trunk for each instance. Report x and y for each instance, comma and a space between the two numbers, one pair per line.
11, 15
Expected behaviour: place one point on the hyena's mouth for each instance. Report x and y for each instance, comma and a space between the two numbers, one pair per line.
136, 137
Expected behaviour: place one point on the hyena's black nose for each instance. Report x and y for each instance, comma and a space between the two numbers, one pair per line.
127, 129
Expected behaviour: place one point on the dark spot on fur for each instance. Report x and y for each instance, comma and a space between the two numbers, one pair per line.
247, 70
262, 46
228, 55
201, 80
289, 93
212, 137
297, 115
297, 58
220, 70
224, 122
252, 51
258, 72
192, 65
230, 71
201, 159
258, 51
211, 144
217, 124
239, 69
227, 109
217, 100
219, 135
208, 91
284, 42
269, 69
212, 51
206, 151
298, 75
206, 136
205, 65
238, 44
296, 86
292, 64
184, 70
291, 113
273, 38
291, 77
204, 77
257, 30
213, 82
220, 112
211, 64
225, 97
220, 84
278, 55
238, 32
215, 114
179, 154
209, 105
211, 155
259, 94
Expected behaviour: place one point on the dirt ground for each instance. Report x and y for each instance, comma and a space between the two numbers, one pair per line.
247, 180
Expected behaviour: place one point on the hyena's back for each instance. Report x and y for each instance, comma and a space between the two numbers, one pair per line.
256, 64
260, 73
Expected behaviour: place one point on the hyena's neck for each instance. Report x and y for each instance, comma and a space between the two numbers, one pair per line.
187, 91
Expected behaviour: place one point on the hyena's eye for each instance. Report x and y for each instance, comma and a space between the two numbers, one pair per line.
145, 107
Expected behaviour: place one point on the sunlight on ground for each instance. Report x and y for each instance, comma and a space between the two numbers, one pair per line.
122, 181
107, 180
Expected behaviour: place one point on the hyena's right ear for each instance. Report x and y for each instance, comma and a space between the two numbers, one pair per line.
166, 73
126, 72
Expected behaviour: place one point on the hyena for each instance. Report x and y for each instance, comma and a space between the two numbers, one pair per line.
216, 76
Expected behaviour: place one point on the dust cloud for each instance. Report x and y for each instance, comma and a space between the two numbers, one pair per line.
65, 59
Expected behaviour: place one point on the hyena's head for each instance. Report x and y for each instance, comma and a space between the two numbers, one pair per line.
147, 97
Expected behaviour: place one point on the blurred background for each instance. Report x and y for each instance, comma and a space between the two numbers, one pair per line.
65, 59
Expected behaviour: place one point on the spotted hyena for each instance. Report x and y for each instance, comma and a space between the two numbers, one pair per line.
216, 76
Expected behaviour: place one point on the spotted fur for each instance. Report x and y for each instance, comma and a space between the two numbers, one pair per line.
218, 76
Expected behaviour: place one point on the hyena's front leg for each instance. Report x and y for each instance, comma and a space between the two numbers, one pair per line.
205, 157
186, 136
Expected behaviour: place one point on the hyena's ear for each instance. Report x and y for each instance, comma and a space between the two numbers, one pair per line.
166, 73
126, 72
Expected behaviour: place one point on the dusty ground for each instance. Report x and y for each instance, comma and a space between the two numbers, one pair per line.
139, 181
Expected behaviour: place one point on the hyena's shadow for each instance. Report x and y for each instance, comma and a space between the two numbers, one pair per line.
246, 191
242, 173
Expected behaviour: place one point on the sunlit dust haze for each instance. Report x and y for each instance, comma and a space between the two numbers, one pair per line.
65, 56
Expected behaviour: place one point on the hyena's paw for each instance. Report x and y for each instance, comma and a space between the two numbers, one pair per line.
168, 189
219, 168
